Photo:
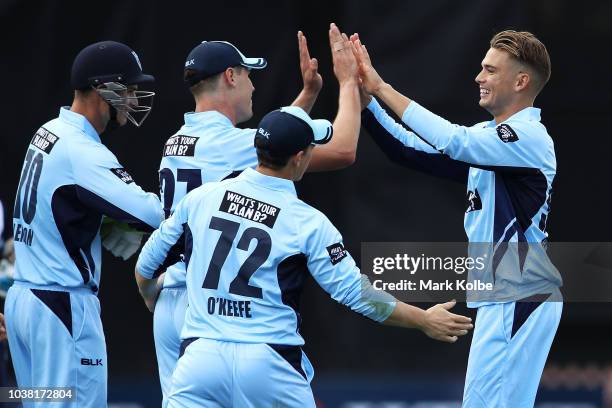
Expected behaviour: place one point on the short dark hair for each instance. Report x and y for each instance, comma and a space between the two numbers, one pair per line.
208, 84
527, 49
268, 160
205, 85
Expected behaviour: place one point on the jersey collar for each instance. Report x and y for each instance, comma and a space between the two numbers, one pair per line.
207, 118
274, 183
79, 121
528, 114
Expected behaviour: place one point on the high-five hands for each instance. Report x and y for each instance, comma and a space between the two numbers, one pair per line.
345, 64
370, 80
313, 81
372, 84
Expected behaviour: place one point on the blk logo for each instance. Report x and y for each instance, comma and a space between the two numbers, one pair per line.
264, 133
91, 362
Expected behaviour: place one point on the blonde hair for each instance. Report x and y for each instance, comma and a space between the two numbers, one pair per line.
527, 49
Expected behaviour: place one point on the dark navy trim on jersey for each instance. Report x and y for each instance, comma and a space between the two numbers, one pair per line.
78, 213
58, 303
184, 344
524, 308
527, 194
188, 244
436, 164
233, 174
95, 202
291, 273
518, 198
78, 226
502, 247
514, 170
174, 254
292, 355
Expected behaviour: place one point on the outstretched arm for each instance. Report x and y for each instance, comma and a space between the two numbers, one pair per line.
313, 82
334, 269
507, 147
406, 148
340, 152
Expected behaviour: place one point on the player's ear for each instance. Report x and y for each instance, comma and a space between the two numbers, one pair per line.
297, 158
230, 76
523, 80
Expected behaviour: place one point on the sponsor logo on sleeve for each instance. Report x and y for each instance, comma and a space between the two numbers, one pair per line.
506, 133
474, 202
123, 175
180, 146
336, 252
249, 208
44, 140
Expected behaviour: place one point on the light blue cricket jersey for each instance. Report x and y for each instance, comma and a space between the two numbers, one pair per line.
509, 169
249, 245
68, 181
208, 147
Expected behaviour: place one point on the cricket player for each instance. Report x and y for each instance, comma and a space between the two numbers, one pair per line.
209, 147
69, 181
249, 244
509, 165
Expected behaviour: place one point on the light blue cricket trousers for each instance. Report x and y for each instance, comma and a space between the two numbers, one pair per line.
220, 374
56, 340
508, 353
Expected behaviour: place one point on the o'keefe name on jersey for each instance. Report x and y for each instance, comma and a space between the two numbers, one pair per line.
249, 208
229, 307
180, 146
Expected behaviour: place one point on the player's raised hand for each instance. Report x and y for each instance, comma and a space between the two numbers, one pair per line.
364, 97
345, 64
313, 81
440, 324
370, 79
